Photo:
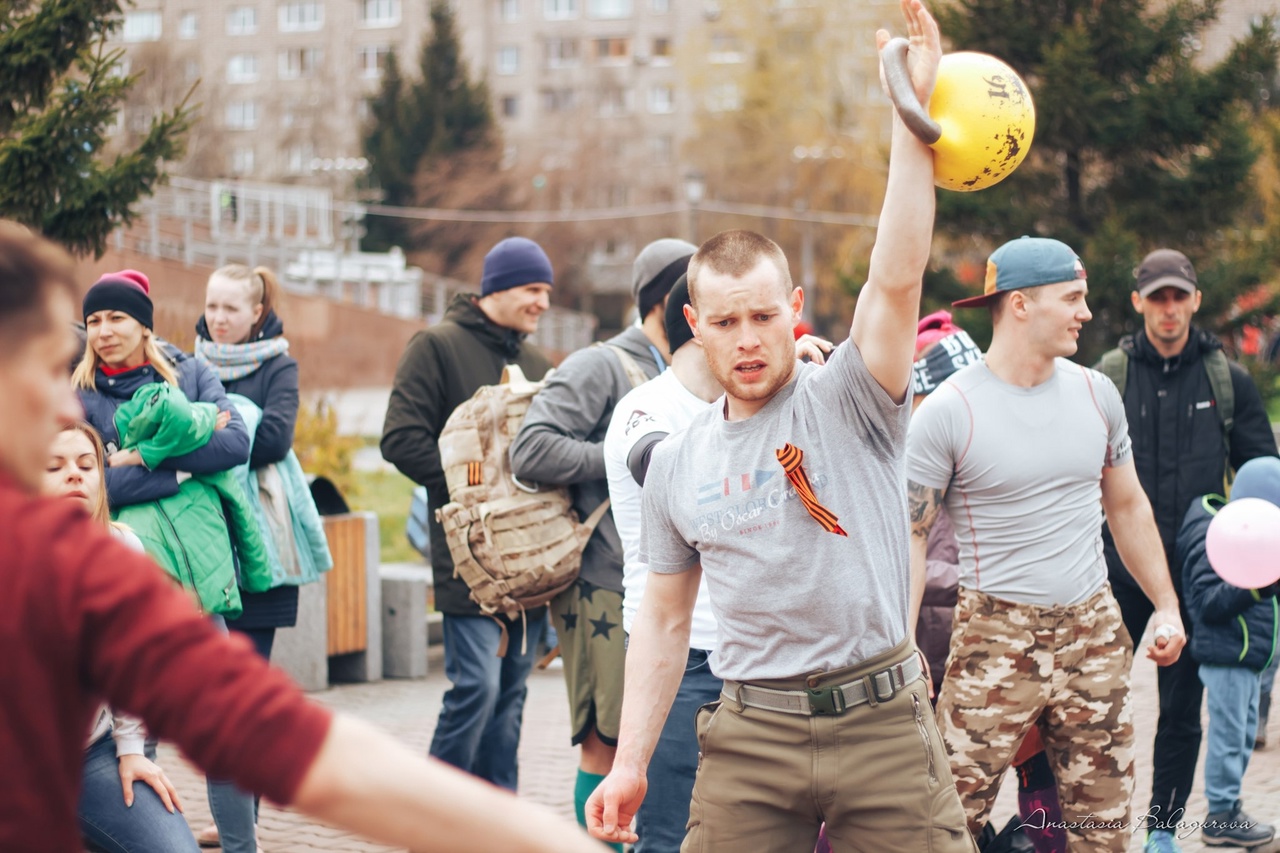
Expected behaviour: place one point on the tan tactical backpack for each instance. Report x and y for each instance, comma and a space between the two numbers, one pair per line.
516, 545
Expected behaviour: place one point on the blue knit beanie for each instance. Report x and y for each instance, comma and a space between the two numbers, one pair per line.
1258, 478
514, 262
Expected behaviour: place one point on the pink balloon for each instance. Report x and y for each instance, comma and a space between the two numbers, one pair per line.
1243, 543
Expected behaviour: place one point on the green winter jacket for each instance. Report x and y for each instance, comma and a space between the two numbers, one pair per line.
205, 532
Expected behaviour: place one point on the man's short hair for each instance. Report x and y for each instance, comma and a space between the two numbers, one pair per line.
30, 268
736, 253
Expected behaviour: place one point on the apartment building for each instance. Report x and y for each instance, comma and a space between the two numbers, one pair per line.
284, 85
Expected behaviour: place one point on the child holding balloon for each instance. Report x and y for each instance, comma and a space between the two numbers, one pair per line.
1230, 558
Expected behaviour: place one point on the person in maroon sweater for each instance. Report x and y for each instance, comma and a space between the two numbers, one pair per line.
84, 619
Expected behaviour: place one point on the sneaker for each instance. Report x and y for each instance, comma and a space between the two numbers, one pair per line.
1235, 828
1160, 841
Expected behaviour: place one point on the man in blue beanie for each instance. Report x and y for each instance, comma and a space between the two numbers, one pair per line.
1233, 638
479, 726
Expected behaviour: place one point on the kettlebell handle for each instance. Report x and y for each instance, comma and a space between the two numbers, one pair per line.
903, 93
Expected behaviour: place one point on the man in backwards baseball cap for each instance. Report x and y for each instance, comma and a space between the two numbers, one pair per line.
1022, 449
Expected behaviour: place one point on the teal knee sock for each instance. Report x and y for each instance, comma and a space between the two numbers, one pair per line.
582, 790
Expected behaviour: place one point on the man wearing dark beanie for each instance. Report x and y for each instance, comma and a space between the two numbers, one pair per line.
479, 726
561, 442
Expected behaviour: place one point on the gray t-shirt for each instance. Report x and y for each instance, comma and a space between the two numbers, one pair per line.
789, 597
1023, 472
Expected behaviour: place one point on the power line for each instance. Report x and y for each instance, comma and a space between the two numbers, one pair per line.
604, 214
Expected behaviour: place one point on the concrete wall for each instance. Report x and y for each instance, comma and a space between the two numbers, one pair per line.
337, 346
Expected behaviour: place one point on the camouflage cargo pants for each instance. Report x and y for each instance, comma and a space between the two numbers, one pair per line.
1065, 667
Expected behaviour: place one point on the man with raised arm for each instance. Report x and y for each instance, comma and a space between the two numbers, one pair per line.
789, 494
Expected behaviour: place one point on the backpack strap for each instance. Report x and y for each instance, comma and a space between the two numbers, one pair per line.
1224, 395
593, 520
635, 375
1114, 365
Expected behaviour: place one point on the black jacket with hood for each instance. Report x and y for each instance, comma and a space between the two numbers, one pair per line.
441, 368
1177, 434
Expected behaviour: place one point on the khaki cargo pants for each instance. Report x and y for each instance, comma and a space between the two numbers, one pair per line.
1066, 667
877, 775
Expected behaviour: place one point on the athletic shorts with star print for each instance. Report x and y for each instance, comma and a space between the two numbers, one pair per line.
588, 620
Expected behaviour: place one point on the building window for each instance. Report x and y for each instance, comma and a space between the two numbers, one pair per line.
662, 99
557, 100
298, 158
661, 150
662, 51
725, 97
509, 10
189, 25
614, 101
300, 62
610, 9
141, 26
242, 160
371, 59
122, 67
301, 17
242, 21
242, 115
242, 68
510, 106
191, 70
508, 59
559, 10
563, 53
379, 13
726, 48
660, 7
612, 50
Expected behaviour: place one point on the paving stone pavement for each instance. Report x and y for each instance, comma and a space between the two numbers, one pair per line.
408, 709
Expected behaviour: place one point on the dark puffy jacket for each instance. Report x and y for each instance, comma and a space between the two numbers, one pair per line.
274, 387
1177, 434
1231, 626
440, 369
133, 484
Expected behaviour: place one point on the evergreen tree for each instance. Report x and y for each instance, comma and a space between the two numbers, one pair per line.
438, 115
58, 94
1137, 144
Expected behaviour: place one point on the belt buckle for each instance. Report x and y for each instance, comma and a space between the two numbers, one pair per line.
872, 685
826, 701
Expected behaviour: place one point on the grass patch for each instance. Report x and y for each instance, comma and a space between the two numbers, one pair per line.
387, 493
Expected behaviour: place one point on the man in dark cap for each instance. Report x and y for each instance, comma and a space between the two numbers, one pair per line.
562, 442
479, 726
1194, 417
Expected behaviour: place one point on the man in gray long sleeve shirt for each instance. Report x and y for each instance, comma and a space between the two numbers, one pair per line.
562, 442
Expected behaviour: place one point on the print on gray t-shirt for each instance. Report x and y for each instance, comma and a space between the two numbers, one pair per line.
1023, 472
790, 598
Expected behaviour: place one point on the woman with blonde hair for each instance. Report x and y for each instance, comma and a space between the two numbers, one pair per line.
121, 356
114, 815
241, 338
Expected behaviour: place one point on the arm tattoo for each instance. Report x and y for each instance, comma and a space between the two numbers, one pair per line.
923, 503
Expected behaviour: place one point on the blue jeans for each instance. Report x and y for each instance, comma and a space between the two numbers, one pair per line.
665, 811
1232, 694
107, 824
234, 811
479, 726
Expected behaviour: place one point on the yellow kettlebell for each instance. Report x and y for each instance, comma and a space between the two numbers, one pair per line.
980, 122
